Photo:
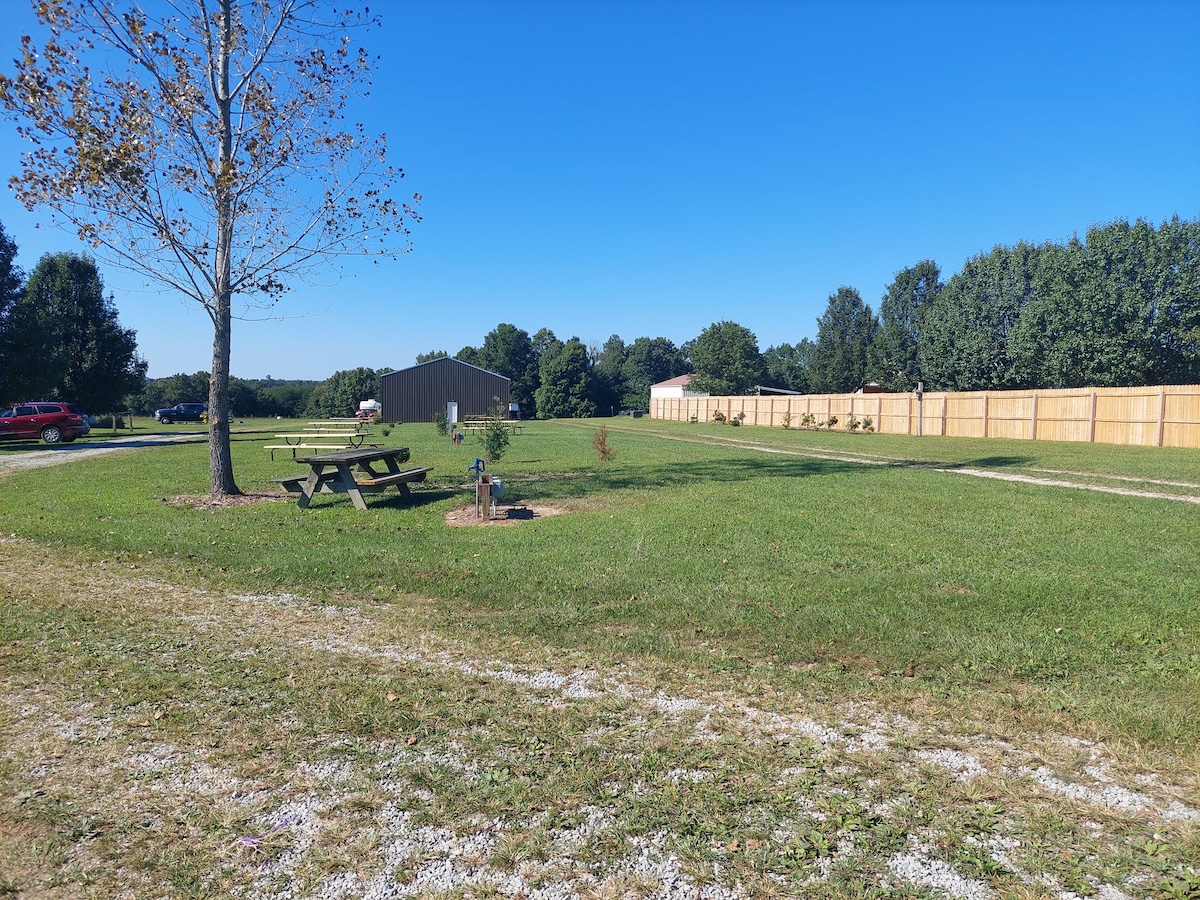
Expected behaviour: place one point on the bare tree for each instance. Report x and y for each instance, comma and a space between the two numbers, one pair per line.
207, 148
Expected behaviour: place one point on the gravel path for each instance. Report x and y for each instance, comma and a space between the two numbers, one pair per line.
1063, 797
65, 453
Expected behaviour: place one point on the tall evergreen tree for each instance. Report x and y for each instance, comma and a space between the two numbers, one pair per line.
12, 280
68, 343
11, 277
566, 382
844, 336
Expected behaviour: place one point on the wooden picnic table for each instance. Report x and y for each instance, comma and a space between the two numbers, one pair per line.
319, 440
354, 472
473, 424
341, 425
355, 438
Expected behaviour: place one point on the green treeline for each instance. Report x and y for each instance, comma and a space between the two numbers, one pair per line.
1119, 307
248, 397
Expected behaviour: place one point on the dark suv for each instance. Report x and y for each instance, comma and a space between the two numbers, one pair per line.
52, 421
182, 412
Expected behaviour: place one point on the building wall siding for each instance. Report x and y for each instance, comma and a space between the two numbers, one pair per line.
417, 393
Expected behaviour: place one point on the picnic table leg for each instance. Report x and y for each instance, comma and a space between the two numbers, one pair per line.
394, 469
311, 483
351, 486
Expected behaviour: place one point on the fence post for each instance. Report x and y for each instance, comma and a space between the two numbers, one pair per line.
1162, 416
1033, 419
985, 414
1092, 421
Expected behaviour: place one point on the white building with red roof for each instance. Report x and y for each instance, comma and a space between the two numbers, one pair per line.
674, 387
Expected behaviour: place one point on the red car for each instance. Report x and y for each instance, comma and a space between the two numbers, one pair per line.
51, 421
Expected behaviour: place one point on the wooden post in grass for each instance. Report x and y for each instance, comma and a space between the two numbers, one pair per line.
1092, 421
1162, 417
1033, 419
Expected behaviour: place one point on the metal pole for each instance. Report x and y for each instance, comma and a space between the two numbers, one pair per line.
920, 408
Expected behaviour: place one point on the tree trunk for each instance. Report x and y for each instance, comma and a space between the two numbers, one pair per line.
220, 460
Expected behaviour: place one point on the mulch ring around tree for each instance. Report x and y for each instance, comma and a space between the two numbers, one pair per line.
221, 501
505, 514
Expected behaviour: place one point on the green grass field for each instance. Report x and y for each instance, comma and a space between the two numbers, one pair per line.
725, 567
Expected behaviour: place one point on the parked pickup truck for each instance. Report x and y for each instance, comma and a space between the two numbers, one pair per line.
182, 412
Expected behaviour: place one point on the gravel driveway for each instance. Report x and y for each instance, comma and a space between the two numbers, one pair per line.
65, 453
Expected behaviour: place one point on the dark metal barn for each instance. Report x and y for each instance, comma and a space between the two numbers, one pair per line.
416, 394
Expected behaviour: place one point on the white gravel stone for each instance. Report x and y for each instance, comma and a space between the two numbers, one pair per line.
1110, 795
963, 766
916, 867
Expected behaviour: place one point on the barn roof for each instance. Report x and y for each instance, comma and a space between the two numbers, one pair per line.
445, 360
673, 382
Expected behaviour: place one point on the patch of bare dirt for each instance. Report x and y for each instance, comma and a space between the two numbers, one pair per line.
220, 501
505, 515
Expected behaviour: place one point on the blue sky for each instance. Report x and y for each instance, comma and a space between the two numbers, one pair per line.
649, 168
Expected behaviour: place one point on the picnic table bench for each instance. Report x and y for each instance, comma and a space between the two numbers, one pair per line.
352, 472
480, 423
319, 440
360, 425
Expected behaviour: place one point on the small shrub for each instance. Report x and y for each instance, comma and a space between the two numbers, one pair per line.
867, 424
385, 430
852, 423
600, 442
719, 417
738, 419
808, 420
692, 418
496, 436
735, 421
787, 419
830, 422
439, 421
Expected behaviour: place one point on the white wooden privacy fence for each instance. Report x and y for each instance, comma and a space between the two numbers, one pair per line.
1162, 416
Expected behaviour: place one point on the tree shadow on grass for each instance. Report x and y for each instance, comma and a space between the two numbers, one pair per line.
416, 498
732, 471
726, 472
986, 462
